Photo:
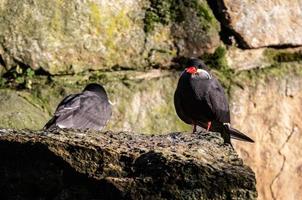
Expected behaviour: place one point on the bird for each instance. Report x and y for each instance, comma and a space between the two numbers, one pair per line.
200, 100
90, 109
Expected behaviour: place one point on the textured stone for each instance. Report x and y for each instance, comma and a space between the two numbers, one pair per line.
267, 100
69, 164
269, 110
261, 23
73, 36
239, 59
17, 111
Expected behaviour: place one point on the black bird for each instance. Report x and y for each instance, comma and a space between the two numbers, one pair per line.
200, 100
90, 109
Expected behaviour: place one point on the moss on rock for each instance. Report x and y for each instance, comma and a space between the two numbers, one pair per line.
279, 63
17, 111
69, 37
172, 11
194, 29
280, 56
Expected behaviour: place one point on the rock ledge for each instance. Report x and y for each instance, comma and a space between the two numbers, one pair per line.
66, 164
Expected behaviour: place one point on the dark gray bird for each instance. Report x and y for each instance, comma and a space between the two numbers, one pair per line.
200, 100
90, 109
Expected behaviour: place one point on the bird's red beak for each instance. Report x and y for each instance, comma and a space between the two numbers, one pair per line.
191, 70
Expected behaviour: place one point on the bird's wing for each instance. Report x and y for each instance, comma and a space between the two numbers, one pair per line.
179, 107
68, 104
218, 102
65, 108
84, 111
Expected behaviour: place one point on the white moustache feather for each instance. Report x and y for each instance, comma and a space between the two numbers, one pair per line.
202, 71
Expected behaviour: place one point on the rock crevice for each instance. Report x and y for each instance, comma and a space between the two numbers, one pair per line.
294, 129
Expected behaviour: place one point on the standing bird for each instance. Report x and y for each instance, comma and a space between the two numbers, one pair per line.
90, 109
200, 100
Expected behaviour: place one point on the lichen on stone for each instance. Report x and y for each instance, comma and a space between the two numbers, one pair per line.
172, 11
192, 23
283, 55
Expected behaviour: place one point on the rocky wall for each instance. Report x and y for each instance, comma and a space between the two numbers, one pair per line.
49, 50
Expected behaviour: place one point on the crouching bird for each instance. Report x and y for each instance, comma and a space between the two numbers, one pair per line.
200, 100
89, 109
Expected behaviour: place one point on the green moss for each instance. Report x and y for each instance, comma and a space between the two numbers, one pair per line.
158, 12
19, 77
261, 75
2, 82
217, 61
281, 70
17, 112
169, 11
95, 16
279, 56
282, 63
56, 23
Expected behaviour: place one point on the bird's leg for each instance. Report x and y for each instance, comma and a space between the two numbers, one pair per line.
194, 128
209, 125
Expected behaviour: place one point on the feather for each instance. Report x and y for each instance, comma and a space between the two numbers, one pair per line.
86, 110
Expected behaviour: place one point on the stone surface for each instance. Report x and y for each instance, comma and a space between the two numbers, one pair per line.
266, 100
17, 111
73, 36
260, 23
268, 109
240, 60
68, 164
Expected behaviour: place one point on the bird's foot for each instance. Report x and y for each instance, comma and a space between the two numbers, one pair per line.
194, 129
209, 125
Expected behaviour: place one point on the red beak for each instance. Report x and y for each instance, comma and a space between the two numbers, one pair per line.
191, 70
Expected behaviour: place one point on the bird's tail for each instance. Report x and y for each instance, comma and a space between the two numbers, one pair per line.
235, 134
50, 125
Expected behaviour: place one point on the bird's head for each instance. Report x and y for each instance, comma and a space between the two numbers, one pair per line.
97, 89
197, 67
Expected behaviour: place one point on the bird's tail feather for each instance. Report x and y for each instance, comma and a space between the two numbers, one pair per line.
50, 125
235, 134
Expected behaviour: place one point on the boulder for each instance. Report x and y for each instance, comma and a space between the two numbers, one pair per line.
69, 164
263, 23
67, 37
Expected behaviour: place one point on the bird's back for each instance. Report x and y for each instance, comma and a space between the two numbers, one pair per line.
81, 111
211, 94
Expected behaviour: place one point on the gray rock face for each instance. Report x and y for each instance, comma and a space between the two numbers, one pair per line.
273, 106
72, 36
67, 164
17, 111
264, 23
